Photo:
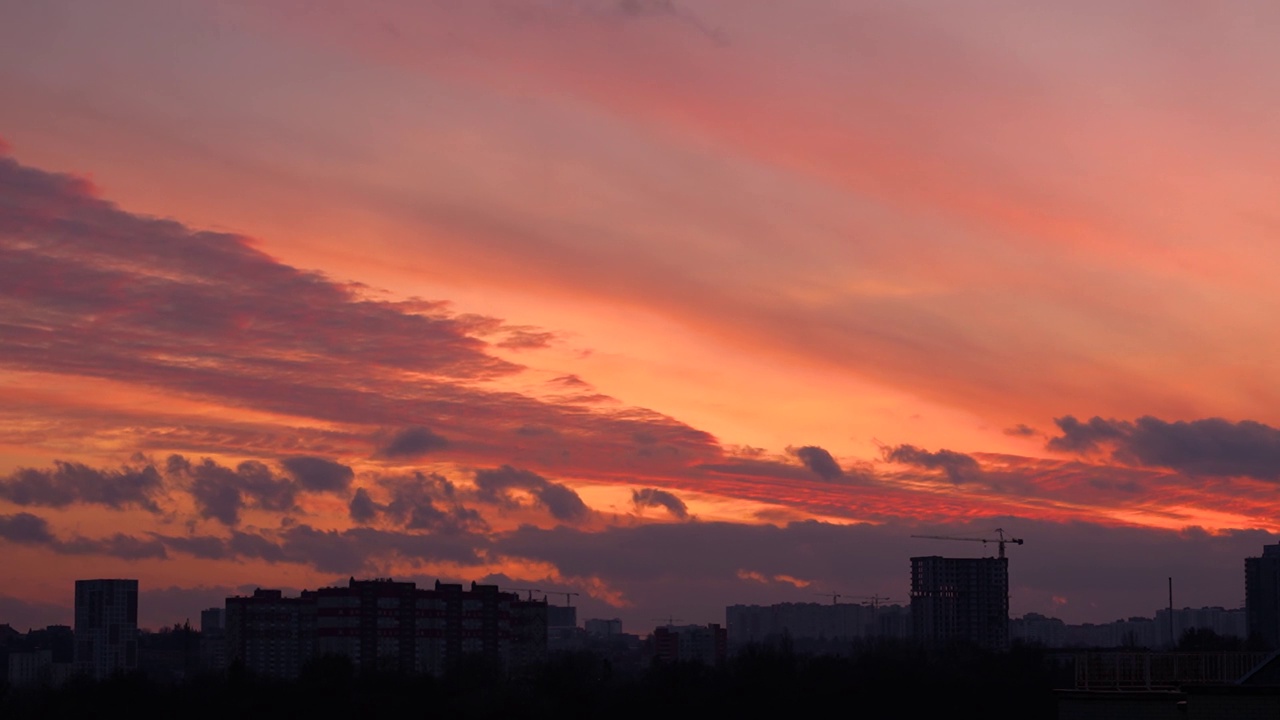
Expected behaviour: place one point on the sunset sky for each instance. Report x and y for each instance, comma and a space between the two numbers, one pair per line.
674, 304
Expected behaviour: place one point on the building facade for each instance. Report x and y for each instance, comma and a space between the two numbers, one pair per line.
372, 622
1262, 596
269, 634
385, 625
106, 629
960, 600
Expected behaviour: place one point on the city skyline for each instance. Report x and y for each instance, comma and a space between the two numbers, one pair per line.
667, 303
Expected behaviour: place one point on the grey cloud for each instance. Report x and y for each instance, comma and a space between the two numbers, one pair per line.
653, 497
1084, 437
526, 339
222, 493
73, 482
820, 462
272, 337
1021, 430
201, 546
362, 508
255, 546
217, 500
355, 550
119, 545
1211, 446
28, 529
418, 502
25, 529
413, 442
958, 466
562, 502
318, 474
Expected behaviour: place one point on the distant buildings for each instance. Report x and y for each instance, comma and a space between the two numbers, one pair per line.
384, 625
1134, 632
706, 644
960, 600
1223, 622
559, 616
40, 657
1262, 595
106, 629
563, 632
814, 622
601, 628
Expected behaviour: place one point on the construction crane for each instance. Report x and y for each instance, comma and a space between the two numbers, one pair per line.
835, 597
875, 599
530, 592
568, 597
671, 621
1001, 540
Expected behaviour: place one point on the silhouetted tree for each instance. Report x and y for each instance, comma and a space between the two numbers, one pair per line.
1206, 640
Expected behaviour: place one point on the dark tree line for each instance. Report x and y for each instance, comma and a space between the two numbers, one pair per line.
888, 680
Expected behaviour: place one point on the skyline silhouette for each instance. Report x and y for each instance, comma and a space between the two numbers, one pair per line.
672, 305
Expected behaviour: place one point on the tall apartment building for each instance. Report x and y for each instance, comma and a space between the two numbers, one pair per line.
106, 628
372, 622
1262, 596
270, 634
960, 600
385, 625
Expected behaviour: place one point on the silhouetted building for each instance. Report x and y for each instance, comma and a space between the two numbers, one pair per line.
372, 622
814, 621
457, 623
1223, 622
707, 644
385, 625
106, 628
41, 657
603, 628
1262, 595
213, 638
530, 633
170, 655
960, 600
8, 637
269, 634
562, 616
563, 632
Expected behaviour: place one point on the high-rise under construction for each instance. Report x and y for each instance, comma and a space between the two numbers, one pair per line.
963, 600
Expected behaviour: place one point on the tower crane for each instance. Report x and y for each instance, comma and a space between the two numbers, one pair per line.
1000, 540
530, 591
875, 599
568, 597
